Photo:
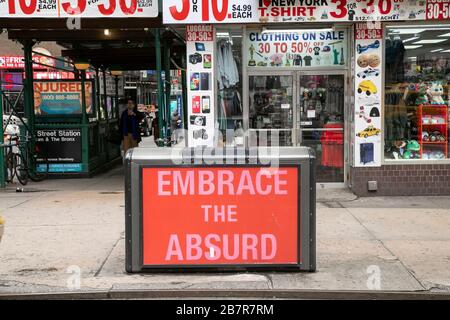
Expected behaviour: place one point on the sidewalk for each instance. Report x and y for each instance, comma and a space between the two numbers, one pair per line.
57, 224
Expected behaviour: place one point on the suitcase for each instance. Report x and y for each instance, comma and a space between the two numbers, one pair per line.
366, 152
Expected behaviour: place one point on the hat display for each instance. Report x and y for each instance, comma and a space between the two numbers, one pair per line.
375, 113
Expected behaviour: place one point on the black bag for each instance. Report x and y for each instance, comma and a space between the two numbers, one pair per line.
115, 137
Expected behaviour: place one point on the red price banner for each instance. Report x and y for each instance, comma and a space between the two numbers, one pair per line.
199, 33
368, 31
79, 8
438, 9
239, 215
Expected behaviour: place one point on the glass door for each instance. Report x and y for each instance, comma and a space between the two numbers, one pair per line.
320, 122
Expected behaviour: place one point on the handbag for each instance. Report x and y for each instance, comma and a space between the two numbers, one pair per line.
115, 137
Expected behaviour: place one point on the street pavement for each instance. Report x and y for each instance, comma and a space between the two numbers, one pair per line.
57, 228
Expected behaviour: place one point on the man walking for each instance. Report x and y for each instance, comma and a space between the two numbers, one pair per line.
129, 126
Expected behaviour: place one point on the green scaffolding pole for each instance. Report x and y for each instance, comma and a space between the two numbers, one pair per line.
161, 107
29, 92
84, 125
2, 155
167, 84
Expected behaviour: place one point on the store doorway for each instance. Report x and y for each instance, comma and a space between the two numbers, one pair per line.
302, 109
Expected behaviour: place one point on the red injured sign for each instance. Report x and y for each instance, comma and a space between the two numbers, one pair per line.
226, 215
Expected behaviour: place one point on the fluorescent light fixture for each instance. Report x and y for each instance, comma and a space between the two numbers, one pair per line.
413, 47
412, 58
236, 36
410, 39
444, 35
295, 30
222, 34
436, 50
446, 50
430, 26
408, 31
428, 41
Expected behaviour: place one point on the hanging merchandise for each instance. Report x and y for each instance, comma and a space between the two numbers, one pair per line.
333, 145
228, 73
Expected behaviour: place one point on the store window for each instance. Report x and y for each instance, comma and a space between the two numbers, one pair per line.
229, 82
417, 82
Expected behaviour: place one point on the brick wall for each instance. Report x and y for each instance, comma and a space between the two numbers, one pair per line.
400, 180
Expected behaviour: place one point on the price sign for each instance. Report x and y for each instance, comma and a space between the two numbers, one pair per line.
438, 9
207, 11
292, 11
369, 30
199, 33
78, 8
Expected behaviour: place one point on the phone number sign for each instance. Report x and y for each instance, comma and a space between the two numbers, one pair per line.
264, 11
78, 8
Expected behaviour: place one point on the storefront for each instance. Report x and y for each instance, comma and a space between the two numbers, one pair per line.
365, 84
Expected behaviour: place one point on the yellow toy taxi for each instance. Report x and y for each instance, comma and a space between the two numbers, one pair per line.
368, 132
368, 87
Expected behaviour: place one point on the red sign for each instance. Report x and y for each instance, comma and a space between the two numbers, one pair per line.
368, 30
438, 9
199, 33
211, 215
17, 62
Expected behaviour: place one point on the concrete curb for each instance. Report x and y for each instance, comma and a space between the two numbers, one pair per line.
238, 294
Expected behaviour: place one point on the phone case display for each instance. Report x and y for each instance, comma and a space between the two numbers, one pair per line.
368, 83
433, 131
200, 47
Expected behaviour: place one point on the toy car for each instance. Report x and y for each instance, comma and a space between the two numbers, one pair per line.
374, 45
368, 87
371, 101
368, 132
369, 73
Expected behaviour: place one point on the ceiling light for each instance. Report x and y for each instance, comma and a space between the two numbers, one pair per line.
446, 50
412, 47
431, 26
82, 65
428, 41
222, 34
106, 32
410, 39
265, 30
408, 31
444, 35
436, 50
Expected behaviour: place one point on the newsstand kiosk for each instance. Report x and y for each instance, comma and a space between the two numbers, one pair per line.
220, 209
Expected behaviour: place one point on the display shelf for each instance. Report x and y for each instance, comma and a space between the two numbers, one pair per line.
426, 113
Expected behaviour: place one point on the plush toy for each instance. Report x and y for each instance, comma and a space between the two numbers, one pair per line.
407, 149
435, 92
422, 90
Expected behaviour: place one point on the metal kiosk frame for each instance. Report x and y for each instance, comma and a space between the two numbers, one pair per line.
139, 158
